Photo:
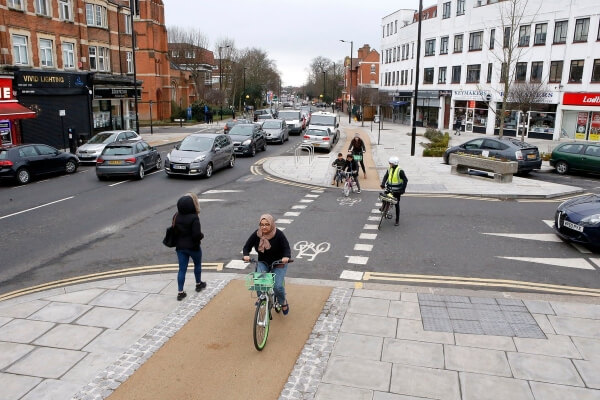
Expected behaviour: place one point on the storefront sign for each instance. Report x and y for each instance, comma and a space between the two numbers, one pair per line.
429, 94
582, 99
5, 124
537, 98
477, 95
582, 119
116, 93
471, 104
33, 82
6, 92
595, 127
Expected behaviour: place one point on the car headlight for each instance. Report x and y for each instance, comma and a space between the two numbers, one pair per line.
591, 220
246, 142
199, 159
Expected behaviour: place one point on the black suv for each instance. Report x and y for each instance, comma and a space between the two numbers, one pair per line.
248, 139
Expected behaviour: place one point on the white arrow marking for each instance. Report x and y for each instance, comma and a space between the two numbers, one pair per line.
579, 263
545, 237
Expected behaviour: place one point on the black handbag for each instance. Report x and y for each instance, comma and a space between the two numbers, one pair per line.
170, 239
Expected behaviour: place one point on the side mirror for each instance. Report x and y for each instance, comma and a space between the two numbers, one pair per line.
176, 147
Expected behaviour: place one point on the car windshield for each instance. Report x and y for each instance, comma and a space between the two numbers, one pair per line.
242, 130
265, 116
289, 114
118, 151
271, 125
316, 132
325, 120
196, 143
101, 138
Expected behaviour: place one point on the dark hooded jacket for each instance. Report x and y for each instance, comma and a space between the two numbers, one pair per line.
187, 225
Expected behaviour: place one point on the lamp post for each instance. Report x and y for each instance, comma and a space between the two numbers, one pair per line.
333, 80
350, 81
221, 77
323, 84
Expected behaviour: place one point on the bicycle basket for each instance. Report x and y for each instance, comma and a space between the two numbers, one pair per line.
387, 198
260, 281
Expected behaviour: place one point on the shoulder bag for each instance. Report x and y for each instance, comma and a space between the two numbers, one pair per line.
170, 239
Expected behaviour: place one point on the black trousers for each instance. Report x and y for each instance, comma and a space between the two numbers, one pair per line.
397, 197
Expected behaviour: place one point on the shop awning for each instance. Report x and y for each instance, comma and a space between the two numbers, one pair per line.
399, 103
14, 110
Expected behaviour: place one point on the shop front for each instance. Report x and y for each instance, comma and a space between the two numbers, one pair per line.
401, 107
534, 120
471, 110
11, 112
428, 108
581, 116
113, 105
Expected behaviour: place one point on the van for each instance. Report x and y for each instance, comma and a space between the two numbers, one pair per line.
325, 120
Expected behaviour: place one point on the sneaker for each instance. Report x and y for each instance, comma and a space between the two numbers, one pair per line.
200, 286
396, 223
181, 296
285, 308
358, 191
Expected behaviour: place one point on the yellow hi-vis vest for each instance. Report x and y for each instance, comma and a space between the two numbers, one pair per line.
394, 176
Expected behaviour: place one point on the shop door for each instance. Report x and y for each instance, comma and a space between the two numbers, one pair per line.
446, 112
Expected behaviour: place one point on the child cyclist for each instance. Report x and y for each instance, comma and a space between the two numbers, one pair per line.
339, 164
352, 167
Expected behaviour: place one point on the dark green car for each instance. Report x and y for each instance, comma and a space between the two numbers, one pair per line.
576, 156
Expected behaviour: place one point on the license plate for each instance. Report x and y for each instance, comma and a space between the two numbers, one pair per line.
316, 144
178, 166
531, 156
115, 162
573, 226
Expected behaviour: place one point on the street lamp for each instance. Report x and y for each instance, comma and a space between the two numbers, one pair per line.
350, 79
221, 77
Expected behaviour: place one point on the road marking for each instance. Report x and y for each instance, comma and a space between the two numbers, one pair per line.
312, 195
368, 236
375, 211
320, 191
201, 200
291, 214
118, 183
237, 264
579, 263
363, 247
351, 275
357, 260
596, 261
549, 222
284, 182
373, 218
306, 201
544, 237
284, 221
300, 207
35, 208
221, 191
370, 226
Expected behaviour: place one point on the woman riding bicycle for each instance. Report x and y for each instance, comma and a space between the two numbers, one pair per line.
271, 245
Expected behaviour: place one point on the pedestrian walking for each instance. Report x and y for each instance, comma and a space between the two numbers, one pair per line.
188, 237
357, 147
232, 112
210, 116
395, 180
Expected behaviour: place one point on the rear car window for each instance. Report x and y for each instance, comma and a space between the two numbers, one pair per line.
118, 151
3, 154
317, 132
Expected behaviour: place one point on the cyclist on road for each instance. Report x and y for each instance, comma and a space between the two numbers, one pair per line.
339, 164
395, 179
352, 167
271, 245
357, 147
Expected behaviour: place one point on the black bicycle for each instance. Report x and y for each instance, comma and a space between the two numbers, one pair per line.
387, 201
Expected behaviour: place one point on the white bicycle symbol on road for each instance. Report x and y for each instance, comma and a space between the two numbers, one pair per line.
310, 250
348, 201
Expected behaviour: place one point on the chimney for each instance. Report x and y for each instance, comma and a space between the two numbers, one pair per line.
364, 51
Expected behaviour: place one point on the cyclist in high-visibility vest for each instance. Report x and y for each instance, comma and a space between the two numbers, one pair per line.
395, 179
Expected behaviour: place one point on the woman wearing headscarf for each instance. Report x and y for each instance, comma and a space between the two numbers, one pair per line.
271, 245
187, 245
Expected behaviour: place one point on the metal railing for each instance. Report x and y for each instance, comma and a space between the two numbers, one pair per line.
301, 148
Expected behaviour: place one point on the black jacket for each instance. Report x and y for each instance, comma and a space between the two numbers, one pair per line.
187, 225
339, 164
357, 146
352, 166
280, 247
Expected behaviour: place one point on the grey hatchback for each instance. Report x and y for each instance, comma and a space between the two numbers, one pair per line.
200, 154
127, 158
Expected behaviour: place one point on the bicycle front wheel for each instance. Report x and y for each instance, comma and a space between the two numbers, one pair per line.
261, 325
384, 209
346, 189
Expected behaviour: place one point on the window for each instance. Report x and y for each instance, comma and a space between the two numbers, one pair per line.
524, 35
190, 54
46, 58
456, 74
473, 73
127, 24
372, 68
540, 34
560, 32
460, 7
592, 150
396, 26
95, 15
68, 51
582, 26
521, 72
430, 47
489, 73
17, 4
556, 70
174, 53
64, 10
444, 45
596, 71
506, 42
45, 150
503, 73
572, 148
492, 38
442, 75
446, 10
458, 43
41, 7
598, 38
92, 57
537, 68
20, 54
428, 75
129, 62
576, 71
103, 59
475, 41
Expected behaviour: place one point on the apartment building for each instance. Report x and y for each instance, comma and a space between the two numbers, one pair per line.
557, 49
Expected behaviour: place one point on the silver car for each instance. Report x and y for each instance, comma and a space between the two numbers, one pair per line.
320, 138
90, 151
276, 130
127, 158
200, 154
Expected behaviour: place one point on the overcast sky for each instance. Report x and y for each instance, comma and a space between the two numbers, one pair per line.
291, 32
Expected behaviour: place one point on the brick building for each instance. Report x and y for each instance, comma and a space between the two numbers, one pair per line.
364, 73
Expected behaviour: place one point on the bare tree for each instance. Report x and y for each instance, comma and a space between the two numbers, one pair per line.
188, 50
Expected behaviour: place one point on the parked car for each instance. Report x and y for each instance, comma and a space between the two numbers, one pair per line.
201, 154
89, 151
230, 124
22, 162
320, 138
508, 148
276, 130
293, 119
576, 156
578, 220
127, 158
248, 139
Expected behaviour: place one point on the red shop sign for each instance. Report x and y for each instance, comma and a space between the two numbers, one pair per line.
582, 99
6, 89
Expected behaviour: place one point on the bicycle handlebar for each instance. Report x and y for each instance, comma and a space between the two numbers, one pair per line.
277, 262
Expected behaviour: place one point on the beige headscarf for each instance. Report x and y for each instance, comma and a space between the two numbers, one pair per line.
195, 200
264, 243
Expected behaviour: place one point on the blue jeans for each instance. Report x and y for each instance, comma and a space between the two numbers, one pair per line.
183, 256
279, 289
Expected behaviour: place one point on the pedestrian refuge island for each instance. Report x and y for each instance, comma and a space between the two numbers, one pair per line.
502, 171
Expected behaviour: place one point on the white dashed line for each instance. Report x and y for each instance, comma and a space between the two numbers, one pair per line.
579, 263
312, 195
301, 207
291, 214
375, 211
363, 247
284, 221
357, 260
374, 218
306, 201
351, 275
368, 236
370, 226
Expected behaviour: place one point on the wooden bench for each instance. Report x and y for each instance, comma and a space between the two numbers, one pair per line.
502, 170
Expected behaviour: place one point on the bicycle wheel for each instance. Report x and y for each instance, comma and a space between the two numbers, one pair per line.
261, 325
384, 209
347, 188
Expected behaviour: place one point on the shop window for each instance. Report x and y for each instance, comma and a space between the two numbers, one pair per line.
41, 7
446, 10
524, 35
556, 71
444, 45
442, 75
475, 41
492, 38
521, 72
542, 122
506, 42
456, 74
489, 73
458, 43
576, 71
20, 51
596, 71
540, 34
560, 32
64, 10
582, 26
430, 47
16, 4
460, 7
46, 53
68, 52
473, 73
536, 71
428, 75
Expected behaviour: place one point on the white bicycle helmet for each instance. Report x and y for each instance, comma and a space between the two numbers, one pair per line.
394, 160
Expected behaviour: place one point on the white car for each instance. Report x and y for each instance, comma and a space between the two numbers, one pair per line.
325, 120
90, 151
320, 138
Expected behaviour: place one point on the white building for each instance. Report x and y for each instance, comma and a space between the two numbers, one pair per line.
557, 44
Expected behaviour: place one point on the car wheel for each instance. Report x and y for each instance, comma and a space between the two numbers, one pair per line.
253, 151
71, 167
209, 170
141, 172
23, 176
264, 147
562, 167
231, 163
158, 164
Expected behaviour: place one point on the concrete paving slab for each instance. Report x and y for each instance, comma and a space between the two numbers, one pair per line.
112, 283
143, 321
369, 306
575, 326
51, 389
112, 341
118, 299
85, 370
544, 369
409, 296
15, 386
358, 373
5, 320
425, 382
11, 352
393, 396
358, 346
369, 325
45, 362
547, 391
481, 361
157, 303
60, 312
486, 387
326, 391
23, 331
588, 348
377, 294
578, 310
105, 317
589, 372
404, 310
413, 330
490, 342
143, 284
72, 337
544, 323
79, 297
409, 352
539, 307
20, 310
553, 345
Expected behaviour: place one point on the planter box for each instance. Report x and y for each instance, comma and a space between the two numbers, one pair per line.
501, 170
